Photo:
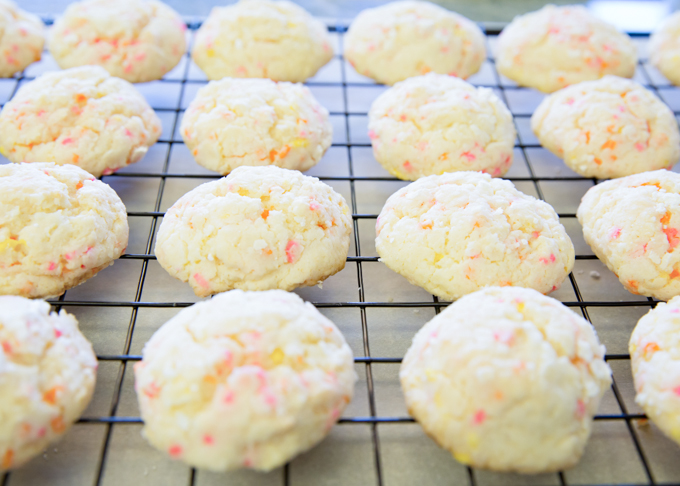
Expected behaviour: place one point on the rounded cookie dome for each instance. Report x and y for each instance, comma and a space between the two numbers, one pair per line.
507, 379
59, 227
136, 40
558, 46
47, 377
80, 116
22, 36
655, 358
407, 38
259, 228
262, 39
664, 48
431, 124
235, 122
612, 127
458, 232
269, 376
633, 226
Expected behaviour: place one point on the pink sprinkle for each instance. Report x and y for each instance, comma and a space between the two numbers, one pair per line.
496, 172
676, 390
270, 399
229, 397
40, 112
128, 68
241, 70
51, 266
89, 249
175, 451
480, 417
201, 281
505, 337
535, 234
70, 255
76, 110
580, 408
468, 156
445, 49
128, 133
675, 311
57, 333
290, 247
109, 171
247, 462
554, 288
407, 165
372, 135
66, 141
614, 233
42, 432
140, 56
314, 206
622, 108
208, 440
570, 101
639, 147
548, 260
422, 146
453, 73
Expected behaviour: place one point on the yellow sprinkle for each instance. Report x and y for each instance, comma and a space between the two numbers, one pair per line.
473, 440
431, 374
210, 52
299, 142
437, 257
3, 151
277, 356
633, 347
462, 457
520, 306
675, 433
438, 399
9, 243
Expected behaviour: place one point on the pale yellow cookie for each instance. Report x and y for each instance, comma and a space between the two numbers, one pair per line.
407, 38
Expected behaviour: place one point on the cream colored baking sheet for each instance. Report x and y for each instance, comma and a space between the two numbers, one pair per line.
97, 451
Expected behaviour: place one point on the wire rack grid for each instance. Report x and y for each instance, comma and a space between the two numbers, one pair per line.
376, 441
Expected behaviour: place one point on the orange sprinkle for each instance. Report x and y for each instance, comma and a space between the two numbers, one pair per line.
610, 128
649, 350
50, 396
265, 214
666, 218
7, 459
633, 284
210, 379
81, 98
76, 158
444, 156
587, 137
284, 151
272, 155
610, 144
58, 424
195, 152
675, 273
79, 185
498, 395
598, 161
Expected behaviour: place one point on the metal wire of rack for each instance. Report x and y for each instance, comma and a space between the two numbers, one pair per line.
540, 176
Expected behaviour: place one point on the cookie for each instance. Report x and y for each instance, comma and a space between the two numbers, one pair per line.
23, 36
655, 358
458, 232
262, 39
136, 40
633, 226
246, 379
235, 122
664, 48
59, 226
611, 127
431, 124
507, 379
259, 228
404, 39
558, 46
47, 376
80, 116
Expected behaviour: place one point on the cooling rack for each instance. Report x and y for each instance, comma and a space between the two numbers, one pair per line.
376, 442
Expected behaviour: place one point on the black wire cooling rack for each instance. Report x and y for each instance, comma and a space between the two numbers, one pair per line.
624, 449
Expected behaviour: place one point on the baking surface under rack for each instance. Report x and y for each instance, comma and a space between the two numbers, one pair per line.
376, 442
